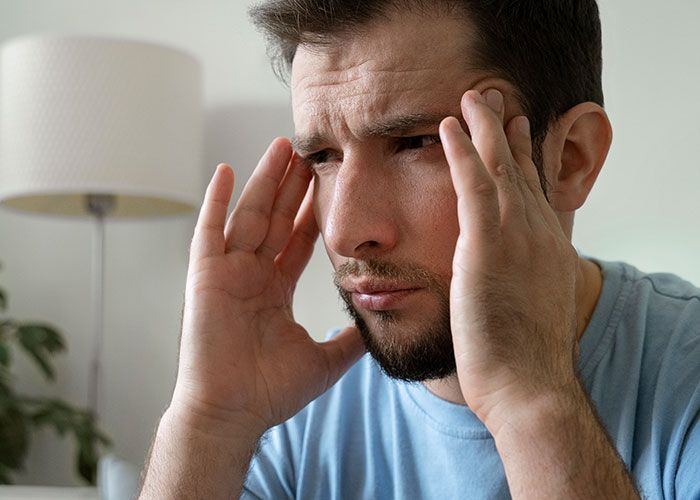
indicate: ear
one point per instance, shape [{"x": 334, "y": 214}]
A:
[{"x": 574, "y": 152}]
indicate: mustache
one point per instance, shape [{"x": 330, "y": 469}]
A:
[{"x": 385, "y": 270}]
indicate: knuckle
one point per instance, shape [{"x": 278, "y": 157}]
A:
[
  {"x": 256, "y": 214},
  {"x": 267, "y": 248},
  {"x": 484, "y": 188},
  {"x": 307, "y": 236},
  {"x": 286, "y": 212},
  {"x": 522, "y": 158},
  {"x": 505, "y": 172}
]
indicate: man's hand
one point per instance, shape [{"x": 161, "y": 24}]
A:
[
  {"x": 242, "y": 356},
  {"x": 245, "y": 364},
  {"x": 513, "y": 315},
  {"x": 512, "y": 295}
]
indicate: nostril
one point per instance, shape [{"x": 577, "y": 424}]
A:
[{"x": 368, "y": 244}]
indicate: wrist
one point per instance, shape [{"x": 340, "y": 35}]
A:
[
  {"x": 538, "y": 410},
  {"x": 208, "y": 422},
  {"x": 557, "y": 444},
  {"x": 195, "y": 455}
]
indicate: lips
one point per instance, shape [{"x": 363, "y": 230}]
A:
[{"x": 374, "y": 295}]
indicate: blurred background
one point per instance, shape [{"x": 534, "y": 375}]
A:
[{"x": 643, "y": 209}]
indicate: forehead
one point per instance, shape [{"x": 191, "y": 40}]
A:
[{"x": 404, "y": 64}]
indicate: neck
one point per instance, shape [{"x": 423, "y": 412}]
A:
[{"x": 589, "y": 282}]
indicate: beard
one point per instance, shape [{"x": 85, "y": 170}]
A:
[{"x": 413, "y": 353}]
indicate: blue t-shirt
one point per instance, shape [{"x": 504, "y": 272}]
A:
[{"x": 373, "y": 437}]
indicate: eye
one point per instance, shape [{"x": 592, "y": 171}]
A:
[
  {"x": 319, "y": 159},
  {"x": 314, "y": 158},
  {"x": 417, "y": 142}
]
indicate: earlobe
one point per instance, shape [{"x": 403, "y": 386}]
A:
[{"x": 578, "y": 144}]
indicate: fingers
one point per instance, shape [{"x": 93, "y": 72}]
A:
[
  {"x": 518, "y": 134},
  {"x": 250, "y": 221},
  {"x": 508, "y": 159},
  {"x": 477, "y": 196},
  {"x": 289, "y": 196},
  {"x": 484, "y": 116},
  {"x": 209, "y": 233},
  {"x": 293, "y": 259}
]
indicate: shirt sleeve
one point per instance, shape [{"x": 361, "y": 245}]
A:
[
  {"x": 271, "y": 474},
  {"x": 273, "y": 470},
  {"x": 688, "y": 474}
]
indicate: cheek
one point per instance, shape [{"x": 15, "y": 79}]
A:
[
  {"x": 431, "y": 221},
  {"x": 431, "y": 195},
  {"x": 323, "y": 194}
]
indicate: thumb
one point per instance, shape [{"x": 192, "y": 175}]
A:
[{"x": 342, "y": 351}]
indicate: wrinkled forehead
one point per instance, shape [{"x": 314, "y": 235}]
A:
[
  {"x": 405, "y": 58},
  {"x": 400, "y": 35}
]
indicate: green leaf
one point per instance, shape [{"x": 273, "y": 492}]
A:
[
  {"x": 87, "y": 464},
  {"x": 52, "y": 412},
  {"x": 14, "y": 438},
  {"x": 8, "y": 398},
  {"x": 5, "y": 355},
  {"x": 40, "y": 341},
  {"x": 43, "y": 335},
  {"x": 102, "y": 438},
  {"x": 67, "y": 419}
]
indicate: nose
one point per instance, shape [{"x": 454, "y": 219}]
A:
[{"x": 361, "y": 218}]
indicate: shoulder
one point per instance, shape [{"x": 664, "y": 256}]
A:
[
  {"x": 663, "y": 311},
  {"x": 641, "y": 364},
  {"x": 656, "y": 288},
  {"x": 660, "y": 308},
  {"x": 647, "y": 322}
]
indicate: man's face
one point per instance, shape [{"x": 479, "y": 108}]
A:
[{"x": 366, "y": 114}]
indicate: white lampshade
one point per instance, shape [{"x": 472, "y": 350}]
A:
[{"x": 94, "y": 116}]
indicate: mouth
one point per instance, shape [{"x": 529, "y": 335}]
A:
[{"x": 374, "y": 295}]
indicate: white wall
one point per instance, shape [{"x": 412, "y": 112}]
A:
[
  {"x": 645, "y": 205},
  {"x": 643, "y": 209}
]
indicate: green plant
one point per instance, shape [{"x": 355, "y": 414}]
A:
[{"x": 21, "y": 415}]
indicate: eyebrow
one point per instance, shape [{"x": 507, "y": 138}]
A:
[{"x": 402, "y": 125}]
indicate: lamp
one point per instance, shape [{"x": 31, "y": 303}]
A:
[{"x": 99, "y": 127}]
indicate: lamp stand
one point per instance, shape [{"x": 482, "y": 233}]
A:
[{"x": 99, "y": 206}]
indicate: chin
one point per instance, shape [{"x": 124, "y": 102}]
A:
[
  {"x": 412, "y": 342},
  {"x": 405, "y": 350}
]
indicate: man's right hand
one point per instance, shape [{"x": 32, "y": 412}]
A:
[{"x": 243, "y": 358}]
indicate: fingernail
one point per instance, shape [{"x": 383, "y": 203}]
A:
[
  {"x": 451, "y": 124},
  {"x": 494, "y": 99},
  {"x": 475, "y": 95},
  {"x": 524, "y": 125}
]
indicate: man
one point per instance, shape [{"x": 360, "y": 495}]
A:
[{"x": 443, "y": 148}]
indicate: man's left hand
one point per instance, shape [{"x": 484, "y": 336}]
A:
[{"x": 512, "y": 297}]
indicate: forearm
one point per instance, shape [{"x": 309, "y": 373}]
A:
[
  {"x": 556, "y": 448},
  {"x": 197, "y": 459}
]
